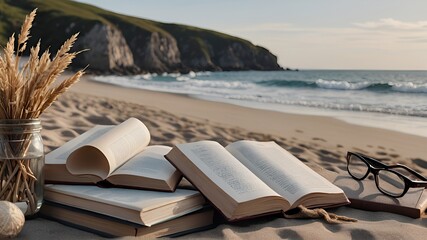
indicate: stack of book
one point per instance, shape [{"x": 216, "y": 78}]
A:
[
  {"x": 136, "y": 184},
  {"x": 109, "y": 181}
]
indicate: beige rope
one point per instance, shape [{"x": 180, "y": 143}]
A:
[{"x": 319, "y": 213}]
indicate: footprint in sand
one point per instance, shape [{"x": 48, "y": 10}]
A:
[
  {"x": 382, "y": 153},
  {"x": 80, "y": 131},
  {"x": 319, "y": 139},
  {"x": 68, "y": 134},
  {"x": 106, "y": 105},
  {"x": 361, "y": 234},
  {"x": 303, "y": 146},
  {"x": 100, "y": 120},
  {"x": 420, "y": 162},
  {"x": 188, "y": 135},
  {"x": 326, "y": 152},
  {"x": 295, "y": 150},
  {"x": 289, "y": 234},
  {"x": 150, "y": 123},
  {"x": 325, "y": 158},
  {"x": 176, "y": 125},
  {"x": 328, "y": 157},
  {"x": 169, "y": 135},
  {"x": 303, "y": 160}
]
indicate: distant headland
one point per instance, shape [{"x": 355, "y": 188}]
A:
[{"x": 122, "y": 44}]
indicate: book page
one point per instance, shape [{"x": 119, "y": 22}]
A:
[
  {"x": 226, "y": 171},
  {"x": 60, "y": 155},
  {"x": 280, "y": 170},
  {"x": 104, "y": 155},
  {"x": 149, "y": 163}
]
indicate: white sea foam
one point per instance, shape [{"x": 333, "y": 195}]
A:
[
  {"x": 165, "y": 74},
  {"x": 147, "y": 76},
  {"x": 203, "y": 73},
  {"x": 192, "y": 74},
  {"x": 341, "y": 85},
  {"x": 182, "y": 78},
  {"x": 409, "y": 87},
  {"x": 235, "y": 85}
]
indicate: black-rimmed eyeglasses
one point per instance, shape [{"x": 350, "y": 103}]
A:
[{"x": 388, "y": 178}]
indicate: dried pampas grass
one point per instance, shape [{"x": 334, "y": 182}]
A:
[{"x": 25, "y": 92}]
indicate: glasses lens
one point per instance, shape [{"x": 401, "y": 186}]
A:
[
  {"x": 390, "y": 183},
  {"x": 357, "y": 167}
]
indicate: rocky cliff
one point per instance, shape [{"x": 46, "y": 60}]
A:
[
  {"x": 109, "y": 50},
  {"x": 123, "y": 44}
]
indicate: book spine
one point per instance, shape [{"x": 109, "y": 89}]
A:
[{"x": 381, "y": 207}]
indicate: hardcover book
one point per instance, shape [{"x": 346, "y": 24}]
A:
[
  {"x": 249, "y": 178},
  {"x": 108, "y": 226},
  {"x": 113, "y": 155},
  {"x": 366, "y": 196},
  {"x": 143, "y": 207}
]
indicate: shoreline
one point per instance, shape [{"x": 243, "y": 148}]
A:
[
  {"x": 329, "y": 132},
  {"x": 399, "y": 123},
  {"x": 410, "y": 124}
]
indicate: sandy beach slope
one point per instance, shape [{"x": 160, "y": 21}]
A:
[{"x": 174, "y": 119}]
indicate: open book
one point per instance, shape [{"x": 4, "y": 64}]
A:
[
  {"x": 119, "y": 155},
  {"x": 138, "y": 206},
  {"x": 249, "y": 178}
]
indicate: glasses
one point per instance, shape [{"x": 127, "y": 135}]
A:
[{"x": 388, "y": 178}]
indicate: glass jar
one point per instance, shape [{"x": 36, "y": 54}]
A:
[{"x": 21, "y": 164}]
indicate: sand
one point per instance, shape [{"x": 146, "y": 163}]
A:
[{"x": 174, "y": 119}]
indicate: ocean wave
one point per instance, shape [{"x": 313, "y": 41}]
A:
[
  {"x": 341, "y": 85},
  {"x": 219, "y": 84},
  {"x": 405, "y": 87},
  {"x": 353, "y": 107},
  {"x": 409, "y": 87},
  {"x": 287, "y": 83}
]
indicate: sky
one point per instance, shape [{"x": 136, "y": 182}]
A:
[{"x": 306, "y": 34}]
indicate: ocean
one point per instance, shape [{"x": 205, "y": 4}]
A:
[{"x": 394, "y": 100}]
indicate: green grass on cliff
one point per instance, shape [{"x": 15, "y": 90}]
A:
[{"x": 59, "y": 14}]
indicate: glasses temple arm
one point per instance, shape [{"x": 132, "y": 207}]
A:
[
  {"x": 420, "y": 184},
  {"x": 419, "y": 176}
]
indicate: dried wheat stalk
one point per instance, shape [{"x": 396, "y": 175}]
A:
[{"x": 24, "y": 94}]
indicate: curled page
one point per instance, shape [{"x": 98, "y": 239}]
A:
[{"x": 107, "y": 152}]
